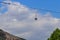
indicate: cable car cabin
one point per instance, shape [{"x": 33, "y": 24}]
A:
[{"x": 35, "y": 18}]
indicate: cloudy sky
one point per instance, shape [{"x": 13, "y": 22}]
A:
[{"x": 18, "y": 18}]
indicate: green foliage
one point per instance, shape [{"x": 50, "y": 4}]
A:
[
  {"x": 2, "y": 35},
  {"x": 1, "y": 38},
  {"x": 55, "y": 35}
]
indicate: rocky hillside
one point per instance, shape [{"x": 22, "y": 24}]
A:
[{"x": 7, "y": 36}]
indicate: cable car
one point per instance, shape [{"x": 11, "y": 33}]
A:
[{"x": 35, "y": 17}]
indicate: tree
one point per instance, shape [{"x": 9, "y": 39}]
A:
[
  {"x": 2, "y": 35},
  {"x": 55, "y": 35}
]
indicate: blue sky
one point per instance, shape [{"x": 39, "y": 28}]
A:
[{"x": 53, "y": 5}]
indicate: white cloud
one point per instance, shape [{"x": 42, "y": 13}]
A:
[{"x": 19, "y": 20}]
